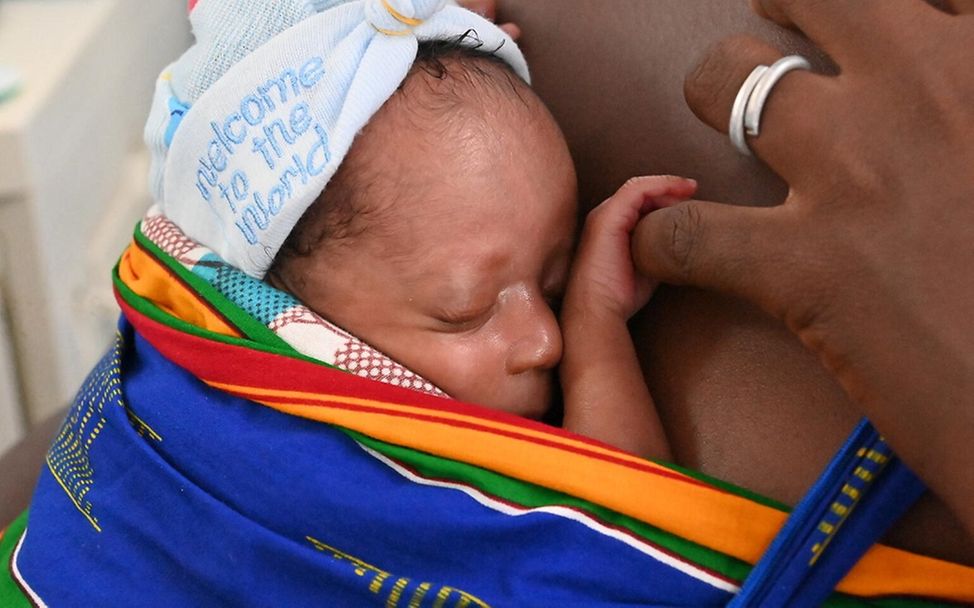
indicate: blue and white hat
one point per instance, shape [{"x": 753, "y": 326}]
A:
[{"x": 248, "y": 126}]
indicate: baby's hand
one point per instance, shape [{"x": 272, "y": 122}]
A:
[
  {"x": 603, "y": 279},
  {"x": 488, "y": 10}
]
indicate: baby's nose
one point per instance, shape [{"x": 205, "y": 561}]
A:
[{"x": 539, "y": 344}]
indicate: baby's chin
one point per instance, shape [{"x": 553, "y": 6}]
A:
[{"x": 530, "y": 399}]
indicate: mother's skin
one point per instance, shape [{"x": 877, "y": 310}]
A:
[{"x": 739, "y": 396}]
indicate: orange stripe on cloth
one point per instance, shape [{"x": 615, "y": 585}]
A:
[
  {"x": 711, "y": 517},
  {"x": 149, "y": 278},
  {"x": 284, "y": 397},
  {"x": 602, "y": 475}
]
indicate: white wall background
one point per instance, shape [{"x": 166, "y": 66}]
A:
[{"x": 72, "y": 183}]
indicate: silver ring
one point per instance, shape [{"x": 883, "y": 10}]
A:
[
  {"x": 755, "y": 103},
  {"x": 736, "y": 127},
  {"x": 749, "y": 104}
]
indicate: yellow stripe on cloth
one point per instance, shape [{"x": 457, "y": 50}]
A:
[
  {"x": 567, "y": 442},
  {"x": 724, "y": 522},
  {"x": 713, "y": 518},
  {"x": 147, "y": 277}
]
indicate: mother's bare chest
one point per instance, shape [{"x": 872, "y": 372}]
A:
[{"x": 742, "y": 400}]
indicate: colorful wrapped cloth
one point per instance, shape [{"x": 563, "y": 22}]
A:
[{"x": 218, "y": 456}]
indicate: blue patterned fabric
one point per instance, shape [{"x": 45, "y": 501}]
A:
[
  {"x": 256, "y": 297},
  {"x": 863, "y": 491},
  {"x": 169, "y": 493}
]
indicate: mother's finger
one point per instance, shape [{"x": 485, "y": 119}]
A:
[
  {"x": 792, "y": 125},
  {"x": 846, "y": 28},
  {"x": 744, "y": 251}
]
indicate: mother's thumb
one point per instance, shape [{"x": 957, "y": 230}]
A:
[{"x": 726, "y": 248}]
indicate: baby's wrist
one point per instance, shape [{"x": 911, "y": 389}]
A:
[{"x": 584, "y": 309}]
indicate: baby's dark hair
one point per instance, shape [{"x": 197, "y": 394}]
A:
[{"x": 470, "y": 70}]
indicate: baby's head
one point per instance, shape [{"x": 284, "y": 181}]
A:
[{"x": 444, "y": 238}]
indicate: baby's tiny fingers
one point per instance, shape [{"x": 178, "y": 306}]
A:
[
  {"x": 511, "y": 29},
  {"x": 653, "y": 191},
  {"x": 488, "y": 10},
  {"x": 484, "y": 8},
  {"x": 618, "y": 214}
]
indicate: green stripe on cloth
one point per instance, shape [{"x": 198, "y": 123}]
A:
[
  {"x": 10, "y": 594},
  {"x": 155, "y": 313},
  {"x": 529, "y": 496},
  {"x": 728, "y": 487},
  {"x": 251, "y": 327}
]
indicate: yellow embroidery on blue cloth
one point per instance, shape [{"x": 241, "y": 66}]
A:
[
  {"x": 141, "y": 426},
  {"x": 68, "y": 459},
  {"x": 460, "y": 599},
  {"x": 872, "y": 461}
]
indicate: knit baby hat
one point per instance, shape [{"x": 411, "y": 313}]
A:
[{"x": 248, "y": 126}]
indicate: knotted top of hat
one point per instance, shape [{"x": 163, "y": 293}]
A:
[{"x": 248, "y": 126}]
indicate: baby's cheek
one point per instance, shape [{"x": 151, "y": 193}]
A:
[
  {"x": 435, "y": 357},
  {"x": 468, "y": 369}
]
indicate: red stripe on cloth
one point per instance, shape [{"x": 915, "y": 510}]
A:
[
  {"x": 224, "y": 363},
  {"x": 232, "y": 364},
  {"x": 450, "y": 422},
  {"x": 174, "y": 276},
  {"x": 581, "y": 512},
  {"x": 191, "y": 6}
]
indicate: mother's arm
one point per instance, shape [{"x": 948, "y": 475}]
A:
[
  {"x": 739, "y": 395},
  {"x": 869, "y": 259},
  {"x": 731, "y": 384}
]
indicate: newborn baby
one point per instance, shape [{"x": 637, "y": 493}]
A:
[{"x": 445, "y": 240}]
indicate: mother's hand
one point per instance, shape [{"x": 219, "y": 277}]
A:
[{"x": 870, "y": 260}]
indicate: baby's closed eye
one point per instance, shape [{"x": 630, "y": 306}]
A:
[{"x": 462, "y": 319}]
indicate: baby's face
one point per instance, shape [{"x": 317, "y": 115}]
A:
[{"x": 457, "y": 278}]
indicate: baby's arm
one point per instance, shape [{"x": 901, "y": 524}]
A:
[{"x": 606, "y": 397}]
